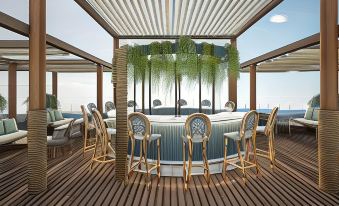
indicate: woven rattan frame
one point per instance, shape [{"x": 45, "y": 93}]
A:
[
  {"x": 88, "y": 145},
  {"x": 328, "y": 151},
  {"x": 269, "y": 132},
  {"x": 37, "y": 151},
  {"x": 244, "y": 161},
  {"x": 187, "y": 173},
  {"x": 121, "y": 116},
  {"x": 143, "y": 148}
]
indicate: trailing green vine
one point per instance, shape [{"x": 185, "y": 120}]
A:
[
  {"x": 209, "y": 65},
  {"x": 232, "y": 56},
  {"x": 168, "y": 65},
  {"x": 187, "y": 59},
  {"x": 3, "y": 103},
  {"x": 138, "y": 62}
]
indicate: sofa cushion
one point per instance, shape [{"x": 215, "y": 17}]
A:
[
  {"x": 48, "y": 117},
  {"x": 309, "y": 113},
  {"x": 10, "y": 126},
  {"x": 315, "y": 116},
  {"x": 306, "y": 122},
  {"x": 51, "y": 113},
  {"x": 58, "y": 115},
  {"x": 2, "y": 128},
  {"x": 8, "y": 138},
  {"x": 61, "y": 122}
]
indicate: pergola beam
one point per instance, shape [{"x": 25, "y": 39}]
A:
[
  {"x": 55, "y": 84},
  {"x": 100, "y": 88},
  {"x": 176, "y": 37},
  {"x": 89, "y": 9},
  {"x": 22, "y": 28},
  {"x": 12, "y": 90},
  {"x": 232, "y": 82}
]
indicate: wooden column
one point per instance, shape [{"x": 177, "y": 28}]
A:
[
  {"x": 99, "y": 88},
  {"x": 253, "y": 87},
  {"x": 37, "y": 121},
  {"x": 232, "y": 82},
  {"x": 55, "y": 84},
  {"x": 328, "y": 131},
  {"x": 12, "y": 90},
  {"x": 115, "y": 46}
]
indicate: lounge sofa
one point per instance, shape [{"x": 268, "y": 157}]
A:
[
  {"x": 55, "y": 119},
  {"x": 310, "y": 120},
  {"x": 9, "y": 131}
]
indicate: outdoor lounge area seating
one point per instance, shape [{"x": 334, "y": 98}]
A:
[
  {"x": 9, "y": 132},
  {"x": 310, "y": 120}
]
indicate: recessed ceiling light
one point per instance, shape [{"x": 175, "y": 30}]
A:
[{"x": 278, "y": 18}]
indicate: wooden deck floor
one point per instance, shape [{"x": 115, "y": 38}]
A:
[{"x": 71, "y": 182}]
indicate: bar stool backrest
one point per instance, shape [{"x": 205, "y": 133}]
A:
[
  {"x": 91, "y": 106},
  {"x": 230, "y": 106},
  {"x": 100, "y": 124},
  {"x": 156, "y": 103},
  {"x": 139, "y": 125},
  {"x": 182, "y": 102},
  {"x": 198, "y": 126},
  {"x": 271, "y": 121},
  {"x": 206, "y": 103},
  {"x": 109, "y": 106},
  {"x": 84, "y": 116},
  {"x": 249, "y": 124}
]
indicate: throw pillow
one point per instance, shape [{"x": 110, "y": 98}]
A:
[
  {"x": 2, "y": 128},
  {"x": 51, "y": 113},
  {"x": 10, "y": 126},
  {"x": 48, "y": 117},
  {"x": 309, "y": 113},
  {"x": 58, "y": 115},
  {"x": 315, "y": 115}
]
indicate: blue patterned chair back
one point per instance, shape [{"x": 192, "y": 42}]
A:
[
  {"x": 230, "y": 106},
  {"x": 131, "y": 103},
  {"x": 156, "y": 103},
  {"x": 249, "y": 124},
  {"x": 138, "y": 124},
  {"x": 206, "y": 103},
  {"x": 182, "y": 102},
  {"x": 91, "y": 106},
  {"x": 198, "y": 126},
  {"x": 109, "y": 106}
]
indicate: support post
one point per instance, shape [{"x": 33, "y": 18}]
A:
[
  {"x": 115, "y": 46},
  {"x": 253, "y": 87},
  {"x": 200, "y": 107},
  {"x": 150, "y": 90},
  {"x": 99, "y": 88},
  {"x": 328, "y": 131},
  {"x": 55, "y": 84},
  {"x": 12, "y": 90},
  {"x": 121, "y": 116},
  {"x": 232, "y": 82},
  {"x": 37, "y": 121}
]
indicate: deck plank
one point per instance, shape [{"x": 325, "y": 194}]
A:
[{"x": 70, "y": 181}]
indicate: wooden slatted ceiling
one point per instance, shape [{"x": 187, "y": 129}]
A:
[
  {"x": 307, "y": 59},
  {"x": 208, "y": 18}
]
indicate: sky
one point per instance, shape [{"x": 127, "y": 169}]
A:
[{"x": 292, "y": 20}]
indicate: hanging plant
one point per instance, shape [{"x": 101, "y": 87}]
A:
[
  {"x": 3, "y": 103},
  {"x": 187, "y": 59},
  {"x": 137, "y": 58},
  {"x": 209, "y": 65},
  {"x": 168, "y": 65},
  {"x": 233, "y": 60},
  {"x": 156, "y": 63}
]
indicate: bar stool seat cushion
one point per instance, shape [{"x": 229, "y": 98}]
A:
[
  {"x": 56, "y": 142},
  {"x": 153, "y": 137},
  {"x": 111, "y": 131},
  {"x": 261, "y": 129},
  {"x": 195, "y": 139},
  {"x": 236, "y": 135}
]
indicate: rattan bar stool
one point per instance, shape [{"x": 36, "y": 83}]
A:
[
  {"x": 246, "y": 135},
  {"x": 88, "y": 129},
  {"x": 268, "y": 131},
  {"x": 198, "y": 130},
  {"x": 139, "y": 129},
  {"x": 103, "y": 151}
]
